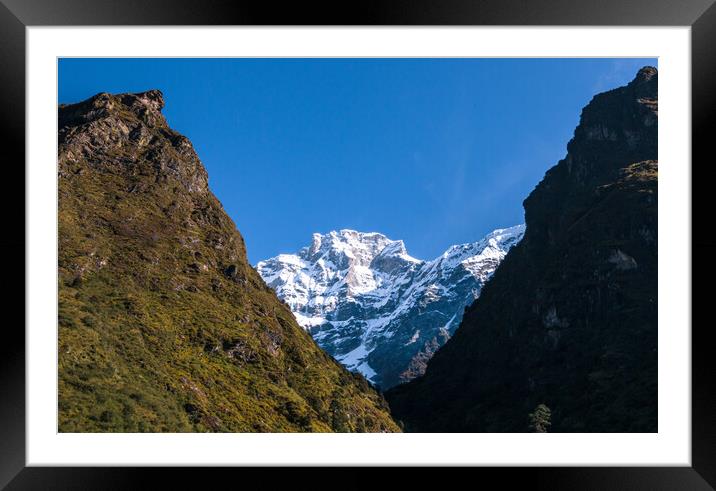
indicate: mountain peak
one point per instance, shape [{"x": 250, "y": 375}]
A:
[
  {"x": 346, "y": 247},
  {"x": 145, "y": 107},
  {"x": 495, "y": 241},
  {"x": 645, "y": 74},
  {"x": 364, "y": 237},
  {"x": 127, "y": 135},
  {"x": 373, "y": 307}
]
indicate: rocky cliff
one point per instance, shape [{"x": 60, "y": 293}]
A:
[
  {"x": 163, "y": 324},
  {"x": 564, "y": 335},
  {"x": 374, "y": 307}
]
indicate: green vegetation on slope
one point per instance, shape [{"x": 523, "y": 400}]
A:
[{"x": 163, "y": 324}]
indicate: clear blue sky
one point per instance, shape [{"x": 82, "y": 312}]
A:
[{"x": 432, "y": 151}]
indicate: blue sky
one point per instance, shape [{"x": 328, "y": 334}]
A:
[{"x": 432, "y": 151}]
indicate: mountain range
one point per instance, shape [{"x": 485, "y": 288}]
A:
[
  {"x": 375, "y": 308},
  {"x": 164, "y": 326}
]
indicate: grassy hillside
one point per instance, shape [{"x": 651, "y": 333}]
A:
[{"x": 163, "y": 324}]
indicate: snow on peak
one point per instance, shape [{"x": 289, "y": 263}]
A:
[
  {"x": 365, "y": 299},
  {"x": 345, "y": 247},
  {"x": 488, "y": 251},
  {"x": 395, "y": 248}
]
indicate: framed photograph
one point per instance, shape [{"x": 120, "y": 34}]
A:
[{"x": 417, "y": 235}]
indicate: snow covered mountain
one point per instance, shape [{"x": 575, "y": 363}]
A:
[{"x": 375, "y": 308}]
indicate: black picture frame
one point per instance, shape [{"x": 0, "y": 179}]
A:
[{"x": 16, "y": 15}]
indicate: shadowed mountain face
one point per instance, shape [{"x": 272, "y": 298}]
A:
[
  {"x": 163, "y": 324},
  {"x": 569, "y": 319}
]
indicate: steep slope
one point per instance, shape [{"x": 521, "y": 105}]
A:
[
  {"x": 375, "y": 308},
  {"x": 569, "y": 319},
  {"x": 163, "y": 324}
]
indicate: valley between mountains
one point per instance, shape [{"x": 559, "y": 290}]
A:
[{"x": 164, "y": 326}]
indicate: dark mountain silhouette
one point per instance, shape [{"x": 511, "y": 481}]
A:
[{"x": 564, "y": 336}]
